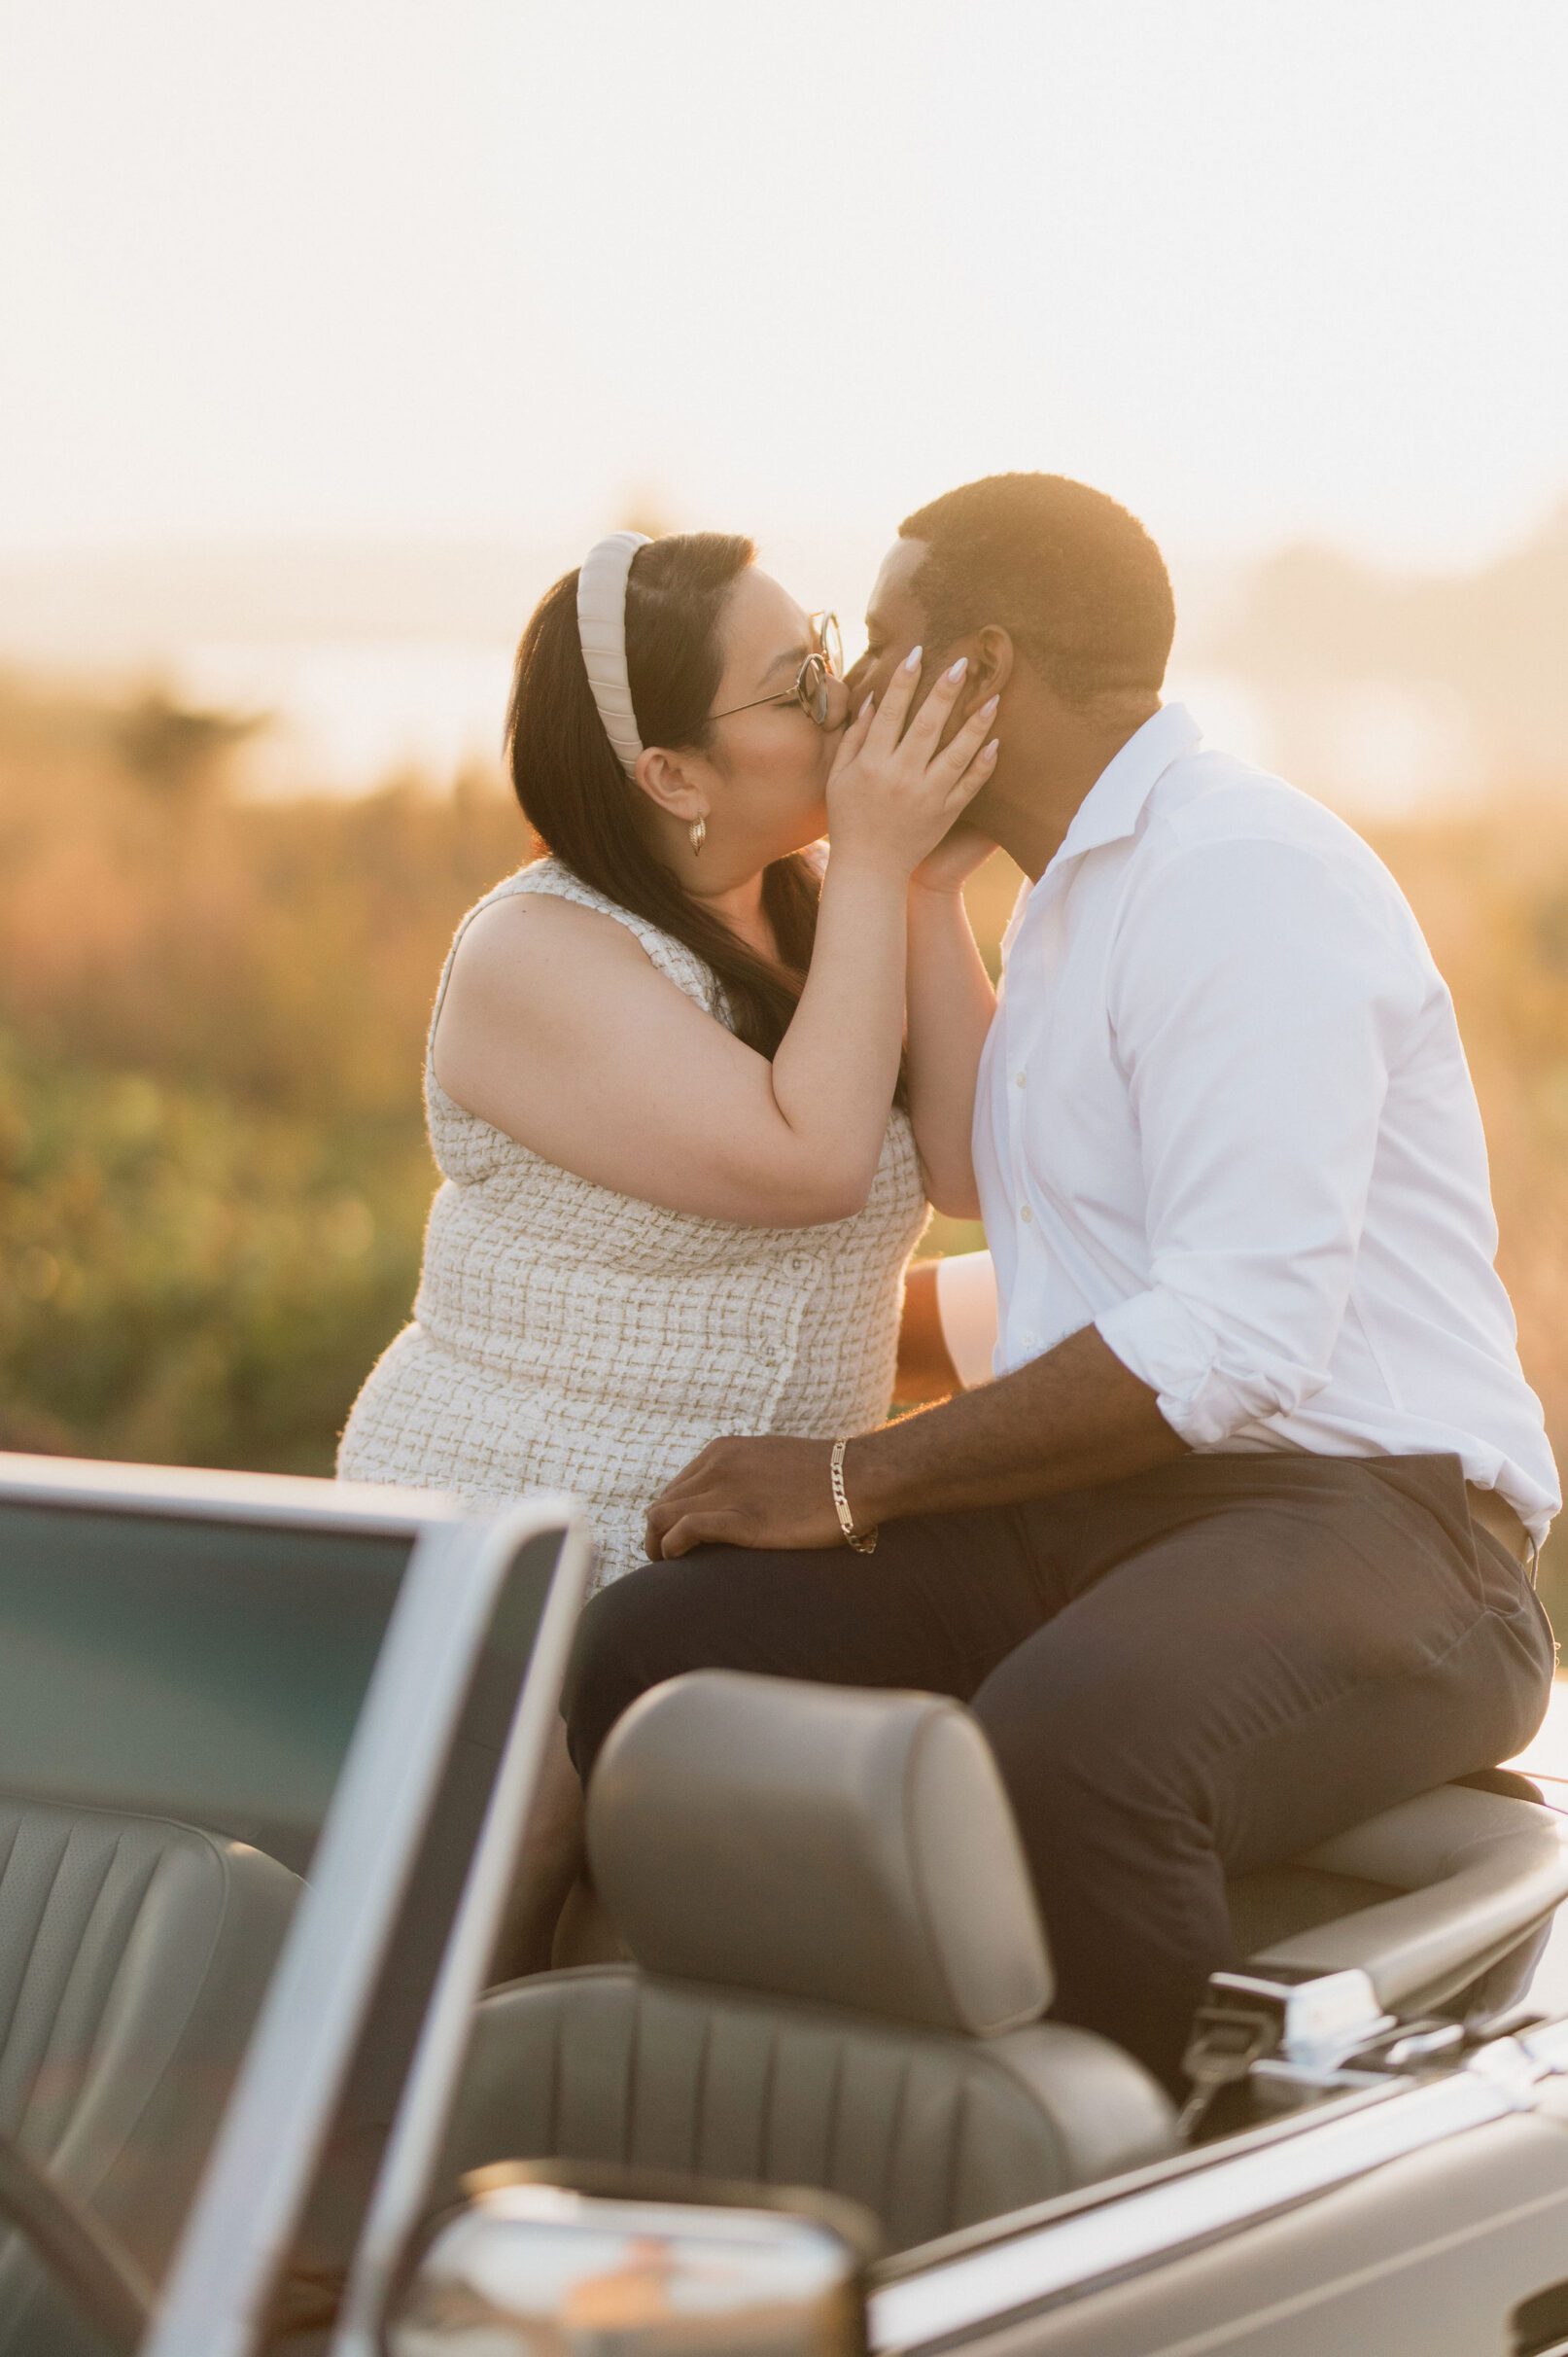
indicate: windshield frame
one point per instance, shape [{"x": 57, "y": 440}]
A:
[{"x": 246, "y": 2208}]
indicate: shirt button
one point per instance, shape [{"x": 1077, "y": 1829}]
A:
[
  {"x": 1026, "y": 1216},
  {"x": 1018, "y": 1079}
]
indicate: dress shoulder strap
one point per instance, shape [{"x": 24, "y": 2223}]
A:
[{"x": 673, "y": 959}]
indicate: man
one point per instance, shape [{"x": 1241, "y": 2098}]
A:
[{"x": 1237, "y": 1547}]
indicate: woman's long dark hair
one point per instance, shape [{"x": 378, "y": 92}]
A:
[{"x": 582, "y": 807}]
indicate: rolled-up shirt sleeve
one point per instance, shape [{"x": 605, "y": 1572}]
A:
[{"x": 1256, "y": 997}]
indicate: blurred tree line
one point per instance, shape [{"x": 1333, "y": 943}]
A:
[
  {"x": 213, "y": 1172},
  {"x": 213, "y": 1176}
]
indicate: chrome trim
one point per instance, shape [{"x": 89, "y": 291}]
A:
[
  {"x": 1317, "y": 2023},
  {"x": 425, "y": 2101},
  {"x": 1546, "y": 2043},
  {"x": 282, "y": 2105},
  {"x": 1198, "y": 2205},
  {"x": 284, "y": 1498}
]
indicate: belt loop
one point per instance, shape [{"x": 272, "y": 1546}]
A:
[{"x": 1532, "y": 1561}]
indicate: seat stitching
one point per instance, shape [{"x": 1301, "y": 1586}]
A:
[
  {"x": 835, "y": 2106},
  {"x": 172, "y": 2044},
  {"x": 552, "y": 2138},
  {"x": 16, "y": 1836},
  {"x": 217, "y": 1854},
  {"x": 32, "y": 1944},
  {"x": 699, "y": 2100},
  {"x": 765, "y": 2104},
  {"x": 68, "y": 1978},
  {"x": 633, "y": 2066},
  {"x": 963, "y": 2139},
  {"x": 138, "y": 1902},
  {"x": 884, "y": 2204},
  {"x": 118, "y": 1974},
  {"x": 949, "y": 2186}
]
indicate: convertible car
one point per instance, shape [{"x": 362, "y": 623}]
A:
[{"x": 266, "y": 1753}]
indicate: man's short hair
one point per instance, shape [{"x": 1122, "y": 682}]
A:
[{"x": 1073, "y": 578}]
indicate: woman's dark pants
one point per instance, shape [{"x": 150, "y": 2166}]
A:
[{"x": 1203, "y": 1669}]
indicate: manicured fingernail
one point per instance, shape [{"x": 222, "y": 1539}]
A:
[
  {"x": 912, "y": 660},
  {"x": 988, "y": 752},
  {"x": 989, "y": 706},
  {"x": 959, "y": 668}
]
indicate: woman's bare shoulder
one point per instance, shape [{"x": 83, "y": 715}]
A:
[
  {"x": 527, "y": 941},
  {"x": 557, "y": 1028}
]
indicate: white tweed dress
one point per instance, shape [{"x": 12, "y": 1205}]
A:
[{"x": 565, "y": 1337}]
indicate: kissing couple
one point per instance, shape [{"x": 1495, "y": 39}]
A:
[{"x": 1235, "y": 1547}]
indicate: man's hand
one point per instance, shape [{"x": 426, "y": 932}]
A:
[
  {"x": 1069, "y": 1421},
  {"x": 770, "y": 1492},
  {"x": 948, "y": 868}
]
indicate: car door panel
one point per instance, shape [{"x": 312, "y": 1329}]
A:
[{"x": 1432, "y": 2253}]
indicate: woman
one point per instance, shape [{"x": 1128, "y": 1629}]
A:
[{"x": 677, "y": 1195}]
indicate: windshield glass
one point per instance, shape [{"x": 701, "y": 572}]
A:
[{"x": 203, "y": 1669}]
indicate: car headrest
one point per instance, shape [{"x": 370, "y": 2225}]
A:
[{"x": 824, "y": 1843}]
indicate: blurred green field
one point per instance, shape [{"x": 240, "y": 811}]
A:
[{"x": 213, "y": 1173}]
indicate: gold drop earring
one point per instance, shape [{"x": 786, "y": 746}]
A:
[{"x": 698, "y": 831}]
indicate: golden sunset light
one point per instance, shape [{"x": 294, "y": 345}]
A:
[{"x": 783, "y": 1177}]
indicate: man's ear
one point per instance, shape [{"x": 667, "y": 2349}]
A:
[
  {"x": 669, "y": 785},
  {"x": 991, "y": 665}
]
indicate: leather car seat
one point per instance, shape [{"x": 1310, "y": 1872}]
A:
[
  {"x": 1444, "y": 1901},
  {"x": 837, "y": 1974},
  {"x": 134, "y": 1954}
]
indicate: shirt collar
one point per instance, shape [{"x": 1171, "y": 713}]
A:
[{"x": 1113, "y": 806}]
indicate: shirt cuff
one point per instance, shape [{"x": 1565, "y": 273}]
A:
[
  {"x": 966, "y": 1309},
  {"x": 1162, "y": 1341}
]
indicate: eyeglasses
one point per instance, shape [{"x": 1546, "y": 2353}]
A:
[{"x": 815, "y": 681}]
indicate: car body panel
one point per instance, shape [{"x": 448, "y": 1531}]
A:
[
  {"x": 1225, "y": 2247},
  {"x": 1432, "y": 2253}
]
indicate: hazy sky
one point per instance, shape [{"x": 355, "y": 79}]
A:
[{"x": 485, "y": 269}]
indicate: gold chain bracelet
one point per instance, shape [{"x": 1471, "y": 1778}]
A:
[{"x": 864, "y": 1542}]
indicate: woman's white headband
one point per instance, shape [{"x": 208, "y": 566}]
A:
[{"x": 602, "y": 629}]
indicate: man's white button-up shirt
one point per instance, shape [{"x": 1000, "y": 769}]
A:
[{"x": 1225, "y": 1117}]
